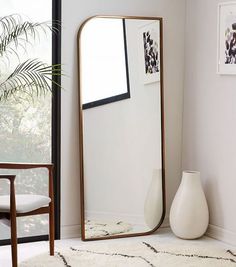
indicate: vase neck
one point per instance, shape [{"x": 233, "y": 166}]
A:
[{"x": 191, "y": 178}]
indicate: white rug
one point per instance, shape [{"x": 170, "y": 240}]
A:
[
  {"x": 140, "y": 254},
  {"x": 99, "y": 228}
]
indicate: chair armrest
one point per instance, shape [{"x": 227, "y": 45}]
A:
[
  {"x": 22, "y": 166},
  {"x": 9, "y": 177}
]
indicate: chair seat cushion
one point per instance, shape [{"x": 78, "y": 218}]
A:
[{"x": 24, "y": 203}]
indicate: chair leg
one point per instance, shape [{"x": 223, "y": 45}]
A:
[
  {"x": 51, "y": 230},
  {"x": 13, "y": 240}
]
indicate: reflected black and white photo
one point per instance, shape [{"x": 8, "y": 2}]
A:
[{"x": 150, "y": 53}]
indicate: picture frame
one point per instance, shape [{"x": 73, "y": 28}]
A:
[
  {"x": 226, "y": 38},
  {"x": 150, "y": 38}
]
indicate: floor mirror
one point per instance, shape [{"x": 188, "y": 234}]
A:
[{"x": 122, "y": 170}]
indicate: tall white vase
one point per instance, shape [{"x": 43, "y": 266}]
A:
[
  {"x": 153, "y": 207},
  {"x": 189, "y": 215}
]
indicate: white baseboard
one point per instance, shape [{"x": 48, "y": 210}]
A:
[
  {"x": 70, "y": 231},
  {"x": 221, "y": 234}
]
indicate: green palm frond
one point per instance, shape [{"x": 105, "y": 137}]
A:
[
  {"x": 30, "y": 77},
  {"x": 13, "y": 29}
]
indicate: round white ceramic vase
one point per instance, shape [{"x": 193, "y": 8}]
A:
[
  {"x": 189, "y": 215},
  {"x": 153, "y": 207}
]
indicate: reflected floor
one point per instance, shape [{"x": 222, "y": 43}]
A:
[
  {"x": 100, "y": 228},
  {"x": 95, "y": 228},
  {"x": 139, "y": 228}
]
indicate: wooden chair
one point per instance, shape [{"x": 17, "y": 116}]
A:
[{"x": 13, "y": 206}]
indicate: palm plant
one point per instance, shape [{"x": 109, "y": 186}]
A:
[{"x": 32, "y": 76}]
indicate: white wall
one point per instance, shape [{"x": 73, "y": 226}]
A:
[
  {"x": 209, "y": 138},
  {"x": 73, "y": 13}
]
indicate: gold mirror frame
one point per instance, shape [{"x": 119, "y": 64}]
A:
[{"x": 82, "y": 205}]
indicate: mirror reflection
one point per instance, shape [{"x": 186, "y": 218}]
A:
[
  {"x": 120, "y": 94},
  {"x": 105, "y": 62}
]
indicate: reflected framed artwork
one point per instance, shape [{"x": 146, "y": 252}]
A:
[
  {"x": 226, "y": 51},
  {"x": 150, "y": 38}
]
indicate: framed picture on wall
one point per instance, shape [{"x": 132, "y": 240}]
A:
[
  {"x": 226, "y": 52},
  {"x": 150, "y": 36}
]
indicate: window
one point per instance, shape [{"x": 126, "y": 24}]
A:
[{"x": 30, "y": 132}]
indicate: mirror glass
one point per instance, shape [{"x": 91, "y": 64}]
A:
[{"x": 122, "y": 177}]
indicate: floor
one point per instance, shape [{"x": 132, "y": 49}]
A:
[{"x": 164, "y": 235}]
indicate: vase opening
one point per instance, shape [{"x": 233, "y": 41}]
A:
[{"x": 191, "y": 172}]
